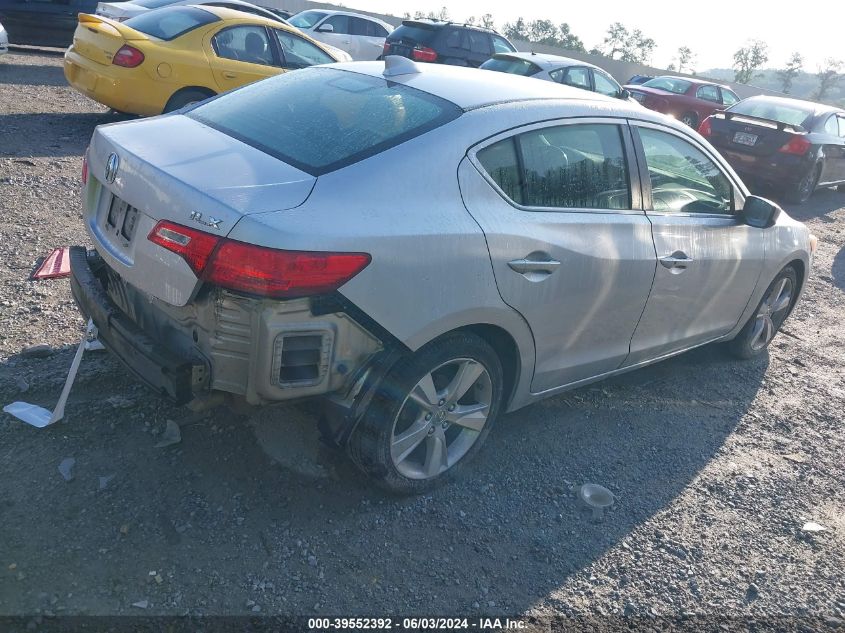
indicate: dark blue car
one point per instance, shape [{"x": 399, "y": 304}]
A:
[{"x": 43, "y": 22}]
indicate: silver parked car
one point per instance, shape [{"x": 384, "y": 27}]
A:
[
  {"x": 427, "y": 247},
  {"x": 4, "y": 41},
  {"x": 362, "y": 36}
]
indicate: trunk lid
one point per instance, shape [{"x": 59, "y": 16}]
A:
[
  {"x": 98, "y": 38},
  {"x": 207, "y": 184},
  {"x": 750, "y": 135}
]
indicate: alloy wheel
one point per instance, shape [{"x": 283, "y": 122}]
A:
[
  {"x": 770, "y": 314},
  {"x": 441, "y": 418}
]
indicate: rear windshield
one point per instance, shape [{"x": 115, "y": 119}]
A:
[
  {"x": 153, "y": 4},
  {"x": 307, "y": 19},
  {"x": 322, "y": 119},
  {"x": 669, "y": 84},
  {"x": 789, "y": 114},
  {"x": 414, "y": 32},
  {"x": 511, "y": 65},
  {"x": 170, "y": 23}
]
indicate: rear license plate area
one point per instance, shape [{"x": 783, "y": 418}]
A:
[
  {"x": 743, "y": 138},
  {"x": 121, "y": 219}
]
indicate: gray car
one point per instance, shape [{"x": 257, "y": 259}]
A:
[{"x": 426, "y": 247}]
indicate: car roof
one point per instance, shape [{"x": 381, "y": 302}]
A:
[
  {"x": 817, "y": 108},
  {"x": 471, "y": 88},
  {"x": 389, "y": 26},
  {"x": 546, "y": 61},
  {"x": 434, "y": 22}
]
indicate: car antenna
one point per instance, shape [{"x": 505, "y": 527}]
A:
[{"x": 397, "y": 65}]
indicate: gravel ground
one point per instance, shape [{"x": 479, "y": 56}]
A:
[{"x": 716, "y": 464}]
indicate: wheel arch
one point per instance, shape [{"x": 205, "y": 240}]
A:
[
  {"x": 508, "y": 352},
  {"x": 209, "y": 92}
]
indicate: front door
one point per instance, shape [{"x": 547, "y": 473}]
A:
[
  {"x": 709, "y": 261},
  {"x": 240, "y": 55},
  {"x": 570, "y": 245}
]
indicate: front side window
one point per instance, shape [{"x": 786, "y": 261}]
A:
[
  {"x": 322, "y": 119},
  {"x": 669, "y": 84},
  {"x": 708, "y": 93},
  {"x": 842, "y": 125},
  {"x": 307, "y": 19},
  {"x": 604, "y": 85},
  {"x": 728, "y": 97},
  {"x": 563, "y": 167},
  {"x": 339, "y": 23},
  {"x": 831, "y": 126},
  {"x": 298, "y": 52},
  {"x": 244, "y": 44},
  {"x": 501, "y": 45},
  {"x": 683, "y": 178}
]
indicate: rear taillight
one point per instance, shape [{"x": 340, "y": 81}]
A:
[
  {"x": 256, "y": 269},
  {"x": 798, "y": 145},
  {"x": 128, "y": 57},
  {"x": 706, "y": 127},
  {"x": 424, "y": 54},
  {"x": 195, "y": 247},
  {"x": 386, "y": 48},
  {"x": 85, "y": 168}
]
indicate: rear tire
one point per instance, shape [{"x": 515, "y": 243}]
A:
[
  {"x": 186, "y": 96},
  {"x": 771, "y": 312},
  {"x": 806, "y": 187},
  {"x": 690, "y": 119},
  {"x": 430, "y": 415}
]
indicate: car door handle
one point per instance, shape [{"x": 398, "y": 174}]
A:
[
  {"x": 523, "y": 266},
  {"x": 229, "y": 75},
  {"x": 676, "y": 262}
]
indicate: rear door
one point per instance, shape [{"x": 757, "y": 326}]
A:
[
  {"x": 570, "y": 245},
  {"x": 370, "y": 38},
  {"x": 709, "y": 261},
  {"x": 240, "y": 55}
]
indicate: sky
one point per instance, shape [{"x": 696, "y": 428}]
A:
[{"x": 713, "y": 30}]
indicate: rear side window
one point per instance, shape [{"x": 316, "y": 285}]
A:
[
  {"x": 169, "y": 23},
  {"x": 154, "y": 4},
  {"x": 831, "y": 126},
  {"x": 322, "y": 119},
  {"x": 669, "y": 84},
  {"x": 511, "y": 65},
  {"x": 708, "y": 93},
  {"x": 340, "y": 24},
  {"x": 682, "y": 177},
  {"x": 563, "y": 167},
  {"x": 367, "y": 28},
  {"x": 307, "y": 19}
]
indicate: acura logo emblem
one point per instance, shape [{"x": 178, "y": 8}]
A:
[{"x": 111, "y": 167}]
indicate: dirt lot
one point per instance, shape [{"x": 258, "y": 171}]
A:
[{"x": 716, "y": 464}]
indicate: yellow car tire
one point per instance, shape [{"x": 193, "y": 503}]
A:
[{"x": 186, "y": 96}]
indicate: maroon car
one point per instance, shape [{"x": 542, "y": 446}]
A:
[{"x": 688, "y": 101}]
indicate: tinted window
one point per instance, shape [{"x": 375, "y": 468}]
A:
[
  {"x": 501, "y": 45},
  {"x": 831, "y": 126},
  {"x": 170, "y": 23},
  {"x": 478, "y": 42},
  {"x": 605, "y": 85},
  {"x": 298, "y": 52},
  {"x": 244, "y": 44},
  {"x": 683, "y": 178},
  {"x": 454, "y": 38},
  {"x": 154, "y": 4},
  {"x": 368, "y": 28},
  {"x": 414, "y": 32},
  {"x": 511, "y": 65},
  {"x": 578, "y": 77},
  {"x": 321, "y": 119},
  {"x": 775, "y": 111},
  {"x": 566, "y": 167},
  {"x": 842, "y": 126},
  {"x": 340, "y": 24},
  {"x": 669, "y": 84},
  {"x": 708, "y": 93},
  {"x": 728, "y": 97},
  {"x": 307, "y": 19}
]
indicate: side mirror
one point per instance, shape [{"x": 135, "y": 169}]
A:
[
  {"x": 325, "y": 28},
  {"x": 759, "y": 212},
  {"x": 624, "y": 94}
]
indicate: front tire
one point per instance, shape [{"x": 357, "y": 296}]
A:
[
  {"x": 431, "y": 415},
  {"x": 774, "y": 307}
]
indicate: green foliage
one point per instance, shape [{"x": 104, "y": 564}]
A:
[
  {"x": 748, "y": 59},
  {"x": 629, "y": 46},
  {"x": 543, "y": 32}
]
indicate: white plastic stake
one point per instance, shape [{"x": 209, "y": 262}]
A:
[{"x": 41, "y": 417}]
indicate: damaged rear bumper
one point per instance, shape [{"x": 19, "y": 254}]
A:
[{"x": 169, "y": 373}]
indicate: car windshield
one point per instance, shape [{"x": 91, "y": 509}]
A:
[
  {"x": 669, "y": 84},
  {"x": 307, "y": 19},
  {"x": 511, "y": 65},
  {"x": 153, "y": 4},
  {"x": 765, "y": 109},
  {"x": 322, "y": 119},
  {"x": 170, "y": 23}
]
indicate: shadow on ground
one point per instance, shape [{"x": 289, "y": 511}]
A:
[
  {"x": 222, "y": 523},
  {"x": 32, "y": 75},
  {"x": 24, "y": 134}
]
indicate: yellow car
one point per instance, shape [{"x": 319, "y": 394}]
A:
[{"x": 165, "y": 59}]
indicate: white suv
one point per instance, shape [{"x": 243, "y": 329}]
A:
[{"x": 359, "y": 35}]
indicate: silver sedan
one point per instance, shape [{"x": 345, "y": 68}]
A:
[{"x": 425, "y": 247}]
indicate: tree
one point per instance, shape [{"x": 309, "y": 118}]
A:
[
  {"x": 619, "y": 43},
  {"x": 748, "y": 59},
  {"x": 542, "y": 32},
  {"x": 828, "y": 77},
  {"x": 517, "y": 30},
  {"x": 639, "y": 48},
  {"x": 470, "y": 20},
  {"x": 788, "y": 74},
  {"x": 487, "y": 21},
  {"x": 568, "y": 40},
  {"x": 686, "y": 58},
  {"x": 614, "y": 41}
]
